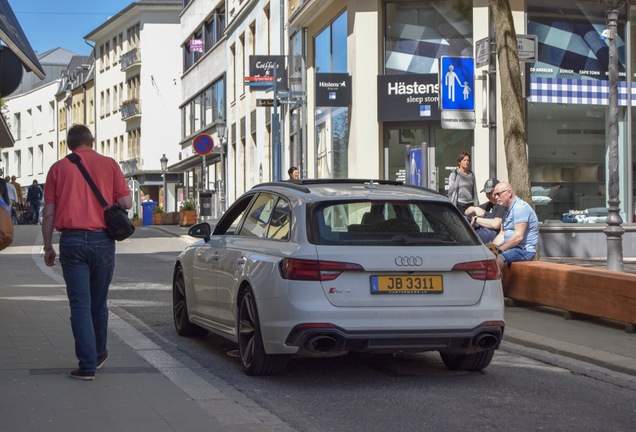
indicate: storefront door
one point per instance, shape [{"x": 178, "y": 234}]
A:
[{"x": 437, "y": 148}]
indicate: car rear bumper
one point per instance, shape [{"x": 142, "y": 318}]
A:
[{"x": 325, "y": 339}]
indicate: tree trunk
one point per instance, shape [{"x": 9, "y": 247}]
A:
[{"x": 511, "y": 99}]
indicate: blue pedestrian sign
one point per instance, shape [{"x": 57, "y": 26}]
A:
[{"x": 457, "y": 83}]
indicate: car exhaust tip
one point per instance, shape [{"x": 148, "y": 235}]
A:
[
  {"x": 321, "y": 344},
  {"x": 486, "y": 341}
]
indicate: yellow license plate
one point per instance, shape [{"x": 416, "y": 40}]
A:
[{"x": 407, "y": 284}]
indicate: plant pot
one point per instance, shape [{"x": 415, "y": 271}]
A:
[
  {"x": 169, "y": 218},
  {"x": 156, "y": 218},
  {"x": 187, "y": 217},
  {"x": 137, "y": 222}
]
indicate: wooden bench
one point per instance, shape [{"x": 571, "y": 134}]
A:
[{"x": 579, "y": 291}]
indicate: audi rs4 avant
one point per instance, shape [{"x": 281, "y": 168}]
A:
[{"x": 327, "y": 267}]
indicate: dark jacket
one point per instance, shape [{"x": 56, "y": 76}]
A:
[{"x": 34, "y": 195}]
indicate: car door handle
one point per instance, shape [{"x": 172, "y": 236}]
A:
[{"x": 241, "y": 261}]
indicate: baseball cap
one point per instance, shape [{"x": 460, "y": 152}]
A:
[{"x": 490, "y": 184}]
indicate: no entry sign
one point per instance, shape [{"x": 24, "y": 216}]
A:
[{"x": 202, "y": 144}]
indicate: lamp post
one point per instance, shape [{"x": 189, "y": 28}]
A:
[
  {"x": 614, "y": 230},
  {"x": 164, "y": 167},
  {"x": 221, "y": 129}
]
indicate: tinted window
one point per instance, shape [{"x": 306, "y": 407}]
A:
[
  {"x": 395, "y": 223},
  {"x": 257, "y": 217},
  {"x": 280, "y": 222}
]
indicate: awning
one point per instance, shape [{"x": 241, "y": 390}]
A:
[{"x": 13, "y": 36}]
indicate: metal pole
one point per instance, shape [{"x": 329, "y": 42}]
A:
[
  {"x": 223, "y": 174},
  {"x": 165, "y": 192},
  {"x": 276, "y": 156},
  {"x": 492, "y": 99},
  {"x": 614, "y": 230}
]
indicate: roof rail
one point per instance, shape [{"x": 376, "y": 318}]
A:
[
  {"x": 299, "y": 184},
  {"x": 347, "y": 181}
]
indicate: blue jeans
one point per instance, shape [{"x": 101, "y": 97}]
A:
[
  {"x": 517, "y": 254},
  {"x": 88, "y": 262}
]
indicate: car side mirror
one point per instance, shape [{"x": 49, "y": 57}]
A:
[{"x": 201, "y": 230}]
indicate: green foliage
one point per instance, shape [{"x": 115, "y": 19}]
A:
[
  {"x": 135, "y": 216},
  {"x": 158, "y": 209},
  {"x": 186, "y": 205}
]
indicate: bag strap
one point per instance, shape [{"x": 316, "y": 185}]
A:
[{"x": 78, "y": 161}]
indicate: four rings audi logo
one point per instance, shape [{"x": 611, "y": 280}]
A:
[{"x": 404, "y": 261}]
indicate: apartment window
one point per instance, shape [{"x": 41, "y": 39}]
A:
[
  {"x": 214, "y": 29},
  {"x": 107, "y": 54},
  {"x": 7, "y": 166},
  {"x": 29, "y": 123},
  {"x": 187, "y": 118},
  {"x": 30, "y": 160},
  {"x": 233, "y": 69},
  {"x": 18, "y": 163},
  {"x": 266, "y": 30},
  {"x": 115, "y": 51},
  {"x": 101, "y": 104},
  {"x": 134, "y": 140},
  {"x": 101, "y": 57},
  {"x": 107, "y": 107},
  {"x": 196, "y": 113},
  {"x": 241, "y": 62},
  {"x": 40, "y": 160},
  {"x": 17, "y": 126},
  {"x": 38, "y": 119},
  {"x": 205, "y": 109},
  {"x": 115, "y": 98}
]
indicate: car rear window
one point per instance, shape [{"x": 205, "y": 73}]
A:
[{"x": 390, "y": 223}]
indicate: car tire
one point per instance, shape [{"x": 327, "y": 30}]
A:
[
  {"x": 468, "y": 362},
  {"x": 180, "y": 308},
  {"x": 251, "y": 350}
]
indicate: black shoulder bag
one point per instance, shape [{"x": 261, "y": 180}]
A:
[{"x": 118, "y": 224}]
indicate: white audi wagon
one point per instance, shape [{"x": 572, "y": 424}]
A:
[{"x": 331, "y": 266}]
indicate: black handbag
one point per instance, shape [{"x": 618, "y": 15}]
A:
[{"x": 118, "y": 224}]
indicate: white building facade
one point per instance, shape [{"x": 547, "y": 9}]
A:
[
  {"x": 203, "y": 50},
  {"x": 33, "y": 120},
  {"x": 138, "y": 91}
]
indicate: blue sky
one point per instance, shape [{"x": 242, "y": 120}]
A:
[{"x": 50, "y": 24}]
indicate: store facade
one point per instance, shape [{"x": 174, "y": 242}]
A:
[{"x": 394, "y": 105}]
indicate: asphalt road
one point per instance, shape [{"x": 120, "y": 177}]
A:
[{"x": 376, "y": 392}]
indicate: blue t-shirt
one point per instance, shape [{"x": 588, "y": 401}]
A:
[
  {"x": 521, "y": 212},
  {"x": 4, "y": 205}
]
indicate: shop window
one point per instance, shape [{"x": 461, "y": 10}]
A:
[
  {"x": 568, "y": 112},
  {"x": 418, "y": 33},
  {"x": 332, "y": 124}
]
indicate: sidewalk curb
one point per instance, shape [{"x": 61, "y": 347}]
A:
[{"x": 611, "y": 361}]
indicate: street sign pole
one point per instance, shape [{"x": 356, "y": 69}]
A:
[{"x": 276, "y": 144}]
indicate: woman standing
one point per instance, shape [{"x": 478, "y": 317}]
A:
[{"x": 462, "y": 188}]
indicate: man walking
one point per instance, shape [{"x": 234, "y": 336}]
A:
[
  {"x": 18, "y": 189},
  {"x": 519, "y": 234},
  {"x": 87, "y": 253},
  {"x": 34, "y": 198}
]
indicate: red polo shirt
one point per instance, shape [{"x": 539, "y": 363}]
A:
[{"x": 76, "y": 206}]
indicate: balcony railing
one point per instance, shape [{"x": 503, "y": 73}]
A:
[
  {"x": 130, "y": 108},
  {"x": 130, "y": 59},
  {"x": 130, "y": 167}
]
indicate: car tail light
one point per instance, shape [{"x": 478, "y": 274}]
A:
[
  {"x": 314, "y": 270},
  {"x": 480, "y": 270}
]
